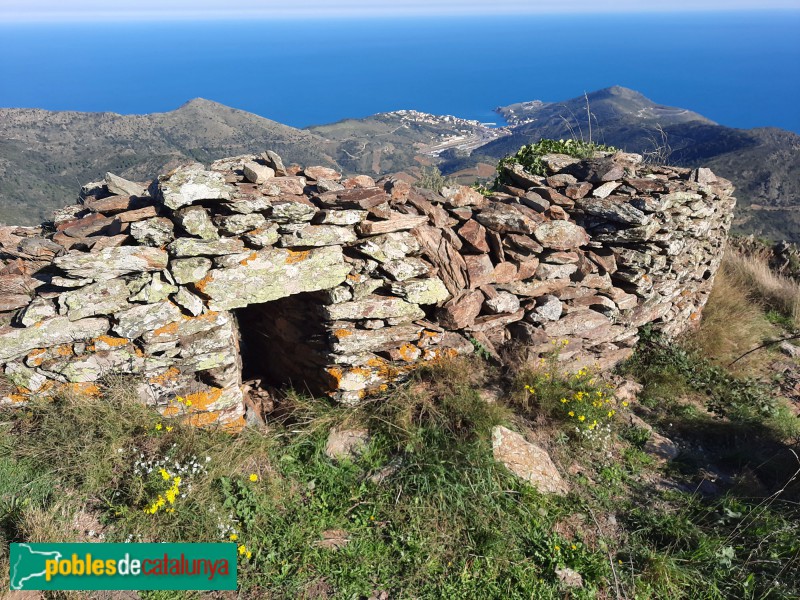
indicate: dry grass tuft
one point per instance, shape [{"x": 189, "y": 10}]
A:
[
  {"x": 761, "y": 284},
  {"x": 735, "y": 319},
  {"x": 733, "y": 322}
]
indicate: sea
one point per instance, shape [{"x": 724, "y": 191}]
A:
[{"x": 740, "y": 69}]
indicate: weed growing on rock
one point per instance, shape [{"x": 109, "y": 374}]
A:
[{"x": 530, "y": 155}]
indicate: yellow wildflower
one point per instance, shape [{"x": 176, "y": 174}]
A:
[
  {"x": 253, "y": 477},
  {"x": 170, "y": 428},
  {"x": 158, "y": 426},
  {"x": 564, "y": 401},
  {"x": 164, "y": 475},
  {"x": 582, "y": 418},
  {"x": 249, "y": 555},
  {"x": 558, "y": 548},
  {"x": 242, "y": 549},
  {"x": 234, "y": 537},
  {"x": 624, "y": 404},
  {"x": 571, "y": 413}
]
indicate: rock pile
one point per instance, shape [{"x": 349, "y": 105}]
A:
[{"x": 343, "y": 284}]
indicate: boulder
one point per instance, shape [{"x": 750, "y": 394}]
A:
[{"x": 527, "y": 461}]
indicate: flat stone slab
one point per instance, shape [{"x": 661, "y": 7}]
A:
[
  {"x": 14, "y": 342},
  {"x": 271, "y": 274},
  {"x": 112, "y": 262}
]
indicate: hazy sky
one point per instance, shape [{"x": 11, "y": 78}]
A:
[{"x": 78, "y": 10}]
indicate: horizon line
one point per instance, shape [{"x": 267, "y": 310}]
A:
[{"x": 289, "y": 14}]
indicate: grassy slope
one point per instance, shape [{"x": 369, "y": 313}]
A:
[{"x": 425, "y": 512}]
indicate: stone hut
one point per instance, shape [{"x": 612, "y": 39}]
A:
[{"x": 212, "y": 279}]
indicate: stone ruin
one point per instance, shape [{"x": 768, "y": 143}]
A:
[{"x": 211, "y": 283}]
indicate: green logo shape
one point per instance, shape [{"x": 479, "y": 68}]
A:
[{"x": 122, "y": 566}]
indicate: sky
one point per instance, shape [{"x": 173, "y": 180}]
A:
[{"x": 89, "y": 10}]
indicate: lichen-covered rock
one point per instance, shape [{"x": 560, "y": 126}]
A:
[
  {"x": 102, "y": 298},
  {"x": 356, "y": 341},
  {"x": 561, "y": 235},
  {"x": 422, "y": 291},
  {"x": 318, "y": 235},
  {"x": 14, "y": 342},
  {"x": 135, "y": 321},
  {"x": 195, "y": 221},
  {"x": 156, "y": 232},
  {"x": 239, "y": 223},
  {"x": 38, "y": 310},
  {"x": 189, "y": 270},
  {"x": 183, "y": 247},
  {"x": 292, "y": 212},
  {"x": 391, "y": 246},
  {"x": 189, "y": 301},
  {"x": 401, "y": 269},
  {"x": 273, "y": 274},
  {"x": 190, "y": 184},
  {"x": 154, "y": 290},
  {"x": 112, "y": 262},
  {"x": 373, "y": 307}
]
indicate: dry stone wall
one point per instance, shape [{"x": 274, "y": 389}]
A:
[{"x": 341, "y": 285}]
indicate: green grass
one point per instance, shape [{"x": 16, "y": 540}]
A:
[{"x": 425, "y": 510}]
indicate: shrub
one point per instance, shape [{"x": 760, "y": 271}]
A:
[
  {"x": 579, "y": 399},
  {"x": 431, "y": 178},
  {"x": 530, "y": 155}
]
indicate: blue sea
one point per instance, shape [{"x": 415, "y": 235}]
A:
[{"x": 739, "y": 69}]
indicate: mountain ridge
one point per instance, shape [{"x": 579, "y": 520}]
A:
[{"x": 46, "y": 155}]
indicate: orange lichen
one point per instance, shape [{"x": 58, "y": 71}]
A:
[
  {"x": 296, "y": 256},
  {"x": 335, "y": 374},
  {"x": 63, "y": 350},
  {"x": 361, "y": 371},
  {"x": 408, "y": 352},
  {"x": 18, "y": 398},
  {"x": 200, "y": 286},
  {"x": 111, "y": 341},
  {"x": 200, "y": 401},
  {"x": 202, "y": 419},
  {"x": 35, "y": 357},
  {"x": 377, "y": 362},
  {"x": 342, "y": 333},
  {"x": 252, "y": 257},
  {"x": 168, "y": 329},
  {"x": 83, "y": 389},
  {"x": 235, "y": 426},
  {"x": 170, "y": 374}
]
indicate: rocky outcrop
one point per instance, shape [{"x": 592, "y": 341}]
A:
[{"x": 341, "y": 285}]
